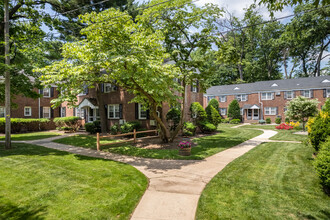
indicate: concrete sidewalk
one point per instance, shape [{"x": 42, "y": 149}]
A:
[{"x": 174, "y": 185}]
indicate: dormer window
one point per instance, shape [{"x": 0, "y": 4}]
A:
[
  {"x": 236, "y": 88},
  {"x": 326, "y": 81},
  {"x": 274, "y": 85}
]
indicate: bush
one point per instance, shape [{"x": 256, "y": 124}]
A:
[
  {"x": 214, "y": 103},
  {"x": 284, "y": 126},
  {"x": 262, "y": 121},
  {"x": 226, "y": 120},
  {"x": 326, "y": 106},
  {"x": 173, "y": 118},
  {"x": 114, "y": 129},
  {"x": 234, "y": 111},
  {"x": 287, "y": 120},
  {"x": 320, "y": 129},
  {"x": 73, "y": 123},
  {"x": 213, "y": 115},
  {"x": 322, "y": 164},
  {"x": 268, "y": 120},
  {"x": 208, "y": 127},
  {"x": 24, "y": 124},
  {"x": 189, "y": 129},
  {"x": 197, "y": 112},
  {"x": 90, "y": 128},
  {"x": 130, "y": 126},
  {"x": 278, "y": 121},
  {"x": 235, "y": 121}
]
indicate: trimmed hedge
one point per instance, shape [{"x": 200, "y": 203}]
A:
[
  {"x": 278, "y": 121},
  {"x": 189, "y": 129},
  {"x": 322, "y": 165},
  {"x": 235, "y": 121},
  {"x": 213, "y": 115},
  {"x": 268, "y": 120},
  {"x": 320, "y": 129},
  {"x": 208, "y": 127},
  {"x": 71, "y": 123},
  {"x": 24, "y": 124}
]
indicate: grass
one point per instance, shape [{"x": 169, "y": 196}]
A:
[
  {"x": 206, "y": 146},
  {"x": 272, "y": 181},
  {"x": 41, "y": 183},
  {"x": 31, "y": 136}
]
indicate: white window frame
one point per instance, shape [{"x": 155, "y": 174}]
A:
[
  {"x": 270, "y": 110},
  {"x": 223, "y": 111},
  {"x": 222, "y": 98},
  {"x": 43, "y": 112},
  {"x": 63, "y": 111},
  {"x": 209, "y": 98},
  {"x": 30, "y": 111},
  {"x": 291, "y": 94},
  {"x": 328, "y": 93},
  {"x": 267, "y": 96},
  {"x": 108, "y": 87},
  {"x": 2, "y": 112},
  {"x": 43, "y": 92},
  {"x": 309, "y": 93},
  {"x": 114, "y": 109},
  {"x": 142, "y": 111},
  {"x": 241, "y": 97},
  {"x": 194, "y": 87}
]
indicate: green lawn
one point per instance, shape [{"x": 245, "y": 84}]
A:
[
  {"x": 41, "y": 183},
  {"x": 272, "y": 181},
  {"x": 206, "y": 147},
  {"x": 31, "y": 136}
]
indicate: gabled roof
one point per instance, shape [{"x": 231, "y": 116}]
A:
[
  {"x": 88, "y": 102},
  {"x": 272, "y": 85}
]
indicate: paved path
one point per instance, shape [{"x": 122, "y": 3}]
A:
[{"x": 174, "y": 185}]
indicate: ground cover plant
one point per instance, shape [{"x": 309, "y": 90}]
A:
[
  {"x": 205, "y": 146},
  {"x": 272, "y": 181},
  {"x": 31, "y": 136},
  {"x": 41, "y": 183}
]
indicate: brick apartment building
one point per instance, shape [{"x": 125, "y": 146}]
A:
[{"x": 267, "y": 99}]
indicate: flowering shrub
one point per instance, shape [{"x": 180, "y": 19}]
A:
[
  {"x": 309, "y": 124},
  {"x": 284, "y": 126},
  {"x": 184, "y": 144},
  {"x": 295, "y": 125}
]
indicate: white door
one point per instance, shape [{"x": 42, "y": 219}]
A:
[{"x": 255, "y": 114}]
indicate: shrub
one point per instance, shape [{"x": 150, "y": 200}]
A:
[
  {"x": 278, "y": 120},
  {"x": 73, "y": 123},
  {"x": 214, "y": 103},
  {"x": 173, "y": 118},
  {"x": 322, "y": 164},
  {"x": 295, "y": 125},
  {"x": 189, "y": 129},
  {"x": 326, "y": 106},
  {"x": 234, "y": 111},
  {"x": 284, "y": 126},
  {"x": 262, "y": 121},
  {"x": 207, "y": 127},
  {"x": 213, "y": 115},
  {"x": 114, "y": 129},
  {"x": 24, "y": 124},
  {"x": 135, "y": 124},
  {"x": 197, "y": 112},
  {"x": 287, "y": 120},
  {"x": 90, "y": 128},
  {"x": 130, "y": 126},
  {"x": 268, "y": 120},
  {"x": 320, "y": 129},
  {"x": 226, "y": 120},
  {"x": 235, "y": 121}
]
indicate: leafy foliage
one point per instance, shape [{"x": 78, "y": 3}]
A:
[
  {"x": 326, "y": 106},
  {"x": 319, "y": 129},
  {"x": 189, "y": 129},
  {"x": 213, "y": 115},
  {"x": 72, "y": 122},
  {"x": 278, "y": 120},
  {"x": 268, "y": 121},
  {"x": 173, "y": 118},
  {"x": 234, "y": 111},
  {"x": 24, "y": 124},
  {"x": 322, "y": 164},
  {"x": 207, "y": 127},
  {"x": 235, "y": 121}
]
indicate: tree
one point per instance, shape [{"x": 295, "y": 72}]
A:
[
  {"x": 127, "y": 52},
  {"x": 234, "y": 111},
  {"x": 214, "y": 103},
  {"x": 300, "y": 108},
  {"x": 213, "y": 115}
]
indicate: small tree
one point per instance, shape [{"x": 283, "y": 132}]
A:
[
  {"x": 213, "y": 115},
  {"x": 214, "y": 103},
  {"x": 234, "y": 111},
  {"x": 301, "y": 108}
]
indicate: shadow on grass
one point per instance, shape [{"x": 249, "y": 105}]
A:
[
  {"x": 9, "y": 210},
  {"x": 29, "y": 149}
]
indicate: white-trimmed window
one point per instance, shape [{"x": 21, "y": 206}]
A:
[
  {"x": 223, "y": 111},
  {"x": 80, "y": 113},
  {"x": 209, "y": 98},
  {"x": 108, "y": 87},
  {"x": 113, "y": 111},
  {"x": 241, "y": 97},
  {"x": 328, "y": 93},
  {"x": 84, "y": 91},
  {"x": 2, "y": 112},
  {"x": 194, "y": 87},
  {"x": 27, "y": 111},
  {"x": 63, "y": 111},
  {"x": 289, "y": 94},
  {"x": 267, "y": 96},
  {"x": 306, "y": 93},
  {"x": 223, "y": 98},
  {"x": 142, "y": 112},
  {"x": 46, "y": 112},
  {"x": 270, "y": 110},
  {"x": 46, "y": 92}
]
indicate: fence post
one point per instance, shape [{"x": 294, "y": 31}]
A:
[
  {"x": 98, "y": 141},
  {"x": 134, "y": 136}
]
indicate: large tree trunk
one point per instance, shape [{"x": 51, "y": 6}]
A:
[{"x": 103, "y": 115}]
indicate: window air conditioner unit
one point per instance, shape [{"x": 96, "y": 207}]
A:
[
  {"x": 152, "y": 123},
  {"x": 122, "y": 121},
  {"x": 278, "y": 93}
]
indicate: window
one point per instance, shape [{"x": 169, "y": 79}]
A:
[
  {"x": 113, "y": 111},
  {"x": 108, "y": 87},
  {"x": 46, "y": 92},
  {"x": 242, "y": 111},
  {"x": 223, "y": 111},
  {"x": 270, "y": 110},
  {"x": 222, "y": 98},
  {"x": 80, "y": 113},
  {"x": 84, "y": 91},
  {"x": 328, "y": 93},
  {"x": 2, "y": 112},
  {"x": 194, "y": 87},
  {"x": 63, "y": 111},
  {"x": 289, "y": 95},
  {"x": 306, "y": 93},
  {"x": 46, "y": 112},
  {"x": 267, "y": 96},
  {"x": 142, "y": 112},
  {"x": 241, "y": 97},
  {"x": 27, "y": 111},
  {"x": 209, "y": 98}
]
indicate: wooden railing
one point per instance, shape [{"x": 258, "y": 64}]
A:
[{"x": 134, "y": 139}]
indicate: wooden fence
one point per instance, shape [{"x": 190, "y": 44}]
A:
[{"x": 134, "y": 139}]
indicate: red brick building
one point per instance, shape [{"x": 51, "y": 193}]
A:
[{"x": 267, "y": 99}]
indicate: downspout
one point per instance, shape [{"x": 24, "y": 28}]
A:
[
  {"x": 261, "y": 108},
  {"x": 39, "y": 110}
]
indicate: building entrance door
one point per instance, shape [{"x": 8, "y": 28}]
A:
[{"x": 255, "y": 114}]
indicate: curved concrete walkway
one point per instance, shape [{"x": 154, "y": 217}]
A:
[{"x": 174, "y": 185}]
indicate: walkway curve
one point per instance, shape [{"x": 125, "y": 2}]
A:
[{"x": 174, "y": 185}]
